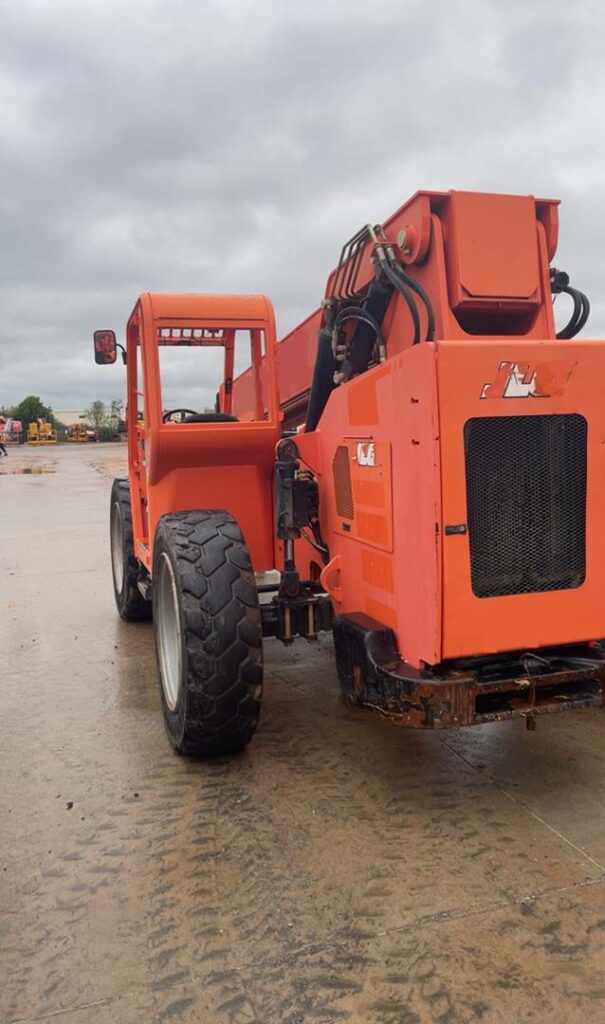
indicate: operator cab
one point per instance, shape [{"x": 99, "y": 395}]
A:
[
  {"x": 189, "y": 416},
  {"x": 193, "y": 360},
  {"x": 180, "y": 366},
  {"x": 188, "y": 447}
]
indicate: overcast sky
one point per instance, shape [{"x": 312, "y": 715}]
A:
[{"x": 234, "y": 145}]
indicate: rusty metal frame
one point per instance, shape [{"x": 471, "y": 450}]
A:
[{"x": 522, "y": 684}]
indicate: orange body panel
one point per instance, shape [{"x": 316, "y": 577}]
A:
[
  {"x": 574, "y": 371},
  {"x": 421, "y": 586},
  {"x": 398, "y": 522}
]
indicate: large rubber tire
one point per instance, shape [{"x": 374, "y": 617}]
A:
[
  {"x": 208, "y": 633},
  {"x": 126, "y": 570}
]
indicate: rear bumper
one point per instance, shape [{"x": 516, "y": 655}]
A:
[{"x": 521, "y": 684}]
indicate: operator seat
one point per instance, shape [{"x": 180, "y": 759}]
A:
[{"x": 211, "y": 417}]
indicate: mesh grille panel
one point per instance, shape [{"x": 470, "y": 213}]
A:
[
  {"x": 342, "y": 483},
  {"x": 526, "y": 501}
]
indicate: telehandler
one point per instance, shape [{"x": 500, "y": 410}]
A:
[{"x": 419, "y": 466}]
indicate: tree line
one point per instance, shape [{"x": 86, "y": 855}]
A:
[{"x": 107, "y": 419}]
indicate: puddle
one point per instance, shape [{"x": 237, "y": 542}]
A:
[{"x": 27, "y": 471}]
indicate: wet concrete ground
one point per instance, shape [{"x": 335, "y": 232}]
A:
[{"x": 339, "y": 870}]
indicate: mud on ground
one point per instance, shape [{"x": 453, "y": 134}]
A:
[{"x": 339, "y": 870}]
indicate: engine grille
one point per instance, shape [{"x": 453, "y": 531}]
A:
[
  {"x": 342, "y": 483},
  {"x": 526, "y": 503}
]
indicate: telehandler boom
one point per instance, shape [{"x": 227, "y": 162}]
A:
[{"x": 422, "y": 460}]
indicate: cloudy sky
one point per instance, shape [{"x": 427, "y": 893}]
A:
[{"x": 233, "y": 145}]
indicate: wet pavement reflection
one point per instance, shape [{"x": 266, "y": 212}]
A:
[{"x": 338, "y": 870}]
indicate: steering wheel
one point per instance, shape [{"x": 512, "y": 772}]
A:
[{"x": 172, "y": 412}]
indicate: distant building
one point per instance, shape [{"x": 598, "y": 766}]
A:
[{"x": 69, "y": 416}]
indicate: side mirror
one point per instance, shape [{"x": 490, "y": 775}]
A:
[{"x": 106, "y": 349}]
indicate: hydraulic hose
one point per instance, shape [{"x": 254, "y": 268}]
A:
[
  {"x": 405, "y": 284},
  {"x": 407, "y": 295},
  {"x": 559, "y": 282},
  {"x": 581, "y": 312},
  {"x": 417, "y": 287},
  {"x": 585, "y": 314},
  {"x": 362, "y": 316}
]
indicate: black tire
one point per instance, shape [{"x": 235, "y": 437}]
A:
[
  {"x": 204, "y": 590},
  {"x": 131, "y": 604}
]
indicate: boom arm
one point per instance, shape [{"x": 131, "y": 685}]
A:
[{"x": 446, "y": 265}]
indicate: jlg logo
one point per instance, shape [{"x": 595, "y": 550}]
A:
[
  {"x": 522, "y": 380},
  {"x": 366, "y": 453}
]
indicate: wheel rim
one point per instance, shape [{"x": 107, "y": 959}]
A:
[
  {"x": 117, "y": 547},
  {"x": 169, "y": 632}
]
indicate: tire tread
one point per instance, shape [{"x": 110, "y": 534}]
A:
[
  {"x": 131, "y": 604},
  {"x": 222, "y": 634}
]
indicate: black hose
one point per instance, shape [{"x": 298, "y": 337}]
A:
[
  {"x": 368, "y": 312},
  {"x": 559, "y": 282},
  {"x": 407, "y": 295},
  {"x": 362, "y": 316},
  {"x": 581, "y": 312},
  {"x": 319, "y": 546},
  {"x": 569, "y": 329},
  {"x": 586, "y": 312},
  {"x": 416, "y": 287}
]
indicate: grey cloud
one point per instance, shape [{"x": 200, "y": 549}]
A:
[{"x": 234, "y": 147}]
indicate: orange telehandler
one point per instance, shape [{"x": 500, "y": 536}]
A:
[{"x": 422, "y": 460}]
